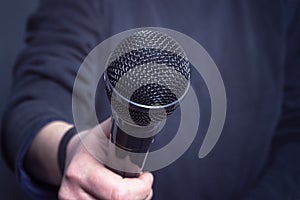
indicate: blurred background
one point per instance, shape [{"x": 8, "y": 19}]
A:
[{"x": 13, "y": 17}]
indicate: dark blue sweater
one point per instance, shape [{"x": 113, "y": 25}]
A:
[{"x": 256, "y": 46}]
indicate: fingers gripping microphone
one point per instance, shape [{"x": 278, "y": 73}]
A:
[{"x": 147, "y": 75}]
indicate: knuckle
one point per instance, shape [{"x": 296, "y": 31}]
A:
[
  {"x": 62, "y": 194},
  {"x": 67, "y": 191},
  {"x": 71, "y": 173},
  {"x": 150, "y": 195},
  {"x": 120, "y": 194},
  {"x": 149, "y": 188},
  {"x": 146, "y": 188}
]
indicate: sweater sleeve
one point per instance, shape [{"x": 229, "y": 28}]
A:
[
  {"x": 281, "y": 178},
  {"x": 59, "y": 35}
]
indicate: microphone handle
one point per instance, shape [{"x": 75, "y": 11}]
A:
[{"x": 128, "y": 143}]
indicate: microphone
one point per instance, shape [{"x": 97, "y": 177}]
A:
[{"x": 147, "y": 76}]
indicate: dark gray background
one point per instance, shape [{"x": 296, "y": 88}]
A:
[{"x": 13, "y": 16}]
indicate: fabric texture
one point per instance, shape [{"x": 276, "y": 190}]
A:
[{"x": 256, "y": 46}]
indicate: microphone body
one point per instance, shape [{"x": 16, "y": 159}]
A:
[{"x": 147, "y": 76}]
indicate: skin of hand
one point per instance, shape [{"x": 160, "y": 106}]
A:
[{"x": 84, "y": 177}]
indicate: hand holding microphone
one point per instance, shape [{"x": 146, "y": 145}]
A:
[
  {"x": 146, "y": 77},
  {"x": 87, "y": 178}
]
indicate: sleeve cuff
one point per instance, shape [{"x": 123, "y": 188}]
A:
[{"x": 32, "y": 188}]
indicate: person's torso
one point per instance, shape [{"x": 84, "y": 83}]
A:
[{"x": 246, "y": 41}]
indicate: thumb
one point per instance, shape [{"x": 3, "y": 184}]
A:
[{"x": 104, "y": 127}]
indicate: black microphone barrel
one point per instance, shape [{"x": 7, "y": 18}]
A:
[{"x": 146, "y": 77}]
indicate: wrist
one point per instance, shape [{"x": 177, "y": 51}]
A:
[
  {"x": 71, "y": 149},
  {"x": 62, "y": 148},
  {"x": 41, "y": 158}
]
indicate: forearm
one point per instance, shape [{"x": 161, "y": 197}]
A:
[{"x": 41, "y": 158}]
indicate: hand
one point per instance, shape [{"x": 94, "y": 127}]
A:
[{"x": 86, "y": 178}]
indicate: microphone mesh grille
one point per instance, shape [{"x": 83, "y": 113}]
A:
[{"x": 149, "y": 68}]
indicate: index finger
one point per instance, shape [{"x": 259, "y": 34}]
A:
[{"x": 104, "y": 183}]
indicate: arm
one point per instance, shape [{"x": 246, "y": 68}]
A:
[
  {"x": 60, "y": 35},
  {"x": 41, "y": 158},
  {"x": 84, "y": 177}
]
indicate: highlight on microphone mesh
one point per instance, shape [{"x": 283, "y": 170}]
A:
[{"x": 147, "y": 75}]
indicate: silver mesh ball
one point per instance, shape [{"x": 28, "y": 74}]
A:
[{"x": 150, "y": 70}]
